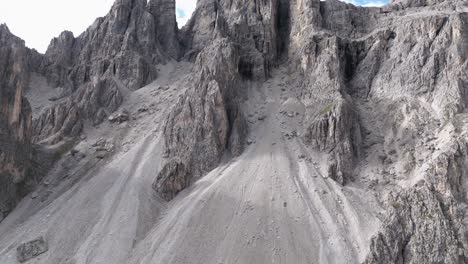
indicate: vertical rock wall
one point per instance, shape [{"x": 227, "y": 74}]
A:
[{"x": 15, "y": 121}]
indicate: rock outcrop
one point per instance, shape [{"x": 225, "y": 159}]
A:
[
  {"x": 15, "y": 121},
  {"x": 31, "y": 249},
  {"x": 416, "y": 230},
  {"x": 421, "y": 59},
  {"x": 166, "y": 32},
  {"x": 249, "y": 24},
  {"x": 93, "y": 102},
  {"x": 205, "y": 122},
  {"x": 118, "y": 52}
]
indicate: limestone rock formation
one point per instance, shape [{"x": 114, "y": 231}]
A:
[
  {"x": 206, "y": 121},
  {"x": 249, "y": 24},
  {"x": 117, "y": 53},
  {"x": 416, "y": 230},
  {"x": 290, "y": 131},
  {"x": 94, "y": 101},
  {"x": 15, "y": 121},
  {"x": 166, "y": 28}
]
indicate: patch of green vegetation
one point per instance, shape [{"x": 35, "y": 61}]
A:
[
  {"x": 430, "y": 216},
  {"x": 327, "y": 109},
  {"x": 396, "y": 205},
  {"x": 64, "y": 149},
  {"x": 446, "y": 122}
]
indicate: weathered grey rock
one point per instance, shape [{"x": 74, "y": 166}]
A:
[
  {"x": 163, "y": 12},
  {"x": 61, "y": 49},
  {"x": 377, "y": 57},
  {"x": 337, "y": 131},
  {"x": 31, "y": 249},
  {"x": 416, "y": 230},
  {"x": 419, "y": 3},
  {"x": 372, "y": 80},
  {"x": 331, "y": 122},
  {"x": 206, "y": 121},
  {"x": 93, "y": 102},
  {"x": 15, "y": 121},
  {"x": 119, "y": 117},
  {"x": 172, "y": 179},
  {"x": 119, "y": 51},
  {"x": 249, "y": 24}
]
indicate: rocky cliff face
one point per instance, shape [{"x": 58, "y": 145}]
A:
[
  {"x": 205, "y": 122},
  {"x": 380, "y": 57},
  {"x": 117, "y": 53},
  {"x": 15, "y": 121},
  {"x": 249, "y": 24},
  {"x": 372, "y": 101}
]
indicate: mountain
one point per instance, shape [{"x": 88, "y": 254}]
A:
[
  {"x": 269, "y": 131},
  {"x": 15, "y": 120}
]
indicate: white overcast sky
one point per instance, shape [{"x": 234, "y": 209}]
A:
[{"x": 38, "y": 21}]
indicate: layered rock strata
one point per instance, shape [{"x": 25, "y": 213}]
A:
[{"x": 15, "y": 122}]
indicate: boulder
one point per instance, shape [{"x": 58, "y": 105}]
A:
[{"x": 31, "y": 249}]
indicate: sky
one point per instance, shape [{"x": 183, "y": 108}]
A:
[
  {"x": 367, "y": 3},
  {"x": 38, "y": 21}
]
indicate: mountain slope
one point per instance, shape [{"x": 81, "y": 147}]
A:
[{"x": 262, "y": 132}]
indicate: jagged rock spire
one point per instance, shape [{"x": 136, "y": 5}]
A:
[{"x": 163, "y": 12}]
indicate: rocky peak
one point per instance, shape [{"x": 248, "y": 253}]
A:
[
  {"x": 61, "y": 49},
  {"x": 251, "y": 24},
  {"x": 421, "y": 3},
  {"x": 120, "y": 49},
  {"x": 123, "y": 13},
  {"x": 7, "y": 38},
  {"x": 163, "y": 12}
]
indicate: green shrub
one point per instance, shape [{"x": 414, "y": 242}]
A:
[{"x": 327, "y": 109}]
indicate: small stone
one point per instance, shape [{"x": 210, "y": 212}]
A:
[
  {"x": 109, "y": 147},
  {"x": 142, "y": 109},
  {"x": 100, "y": 142},
  {"x": 100, "y": 155},
  {"x": 119, "y": 118},
  {"x": 73, "y": 152}
]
